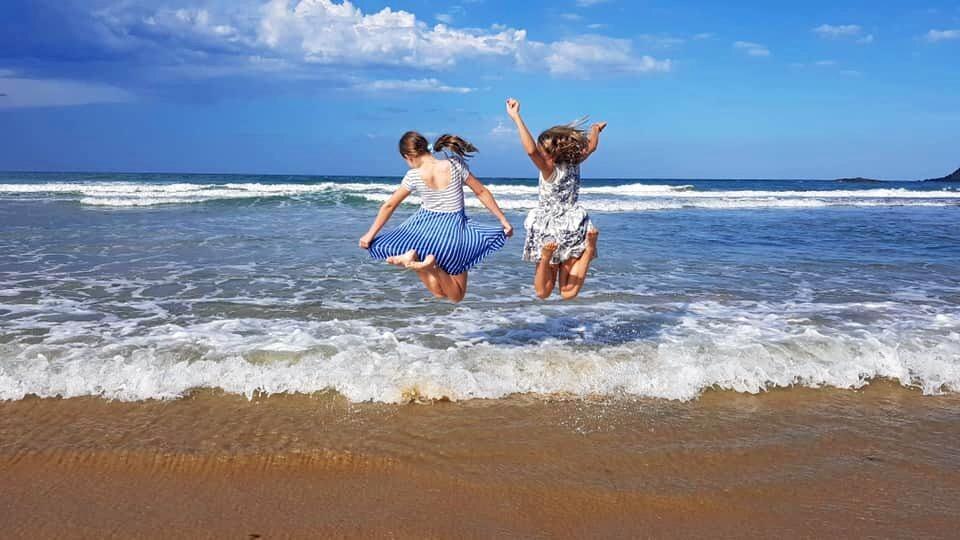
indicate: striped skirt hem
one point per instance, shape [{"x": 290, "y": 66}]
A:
[{"x": 457, "y": 243}]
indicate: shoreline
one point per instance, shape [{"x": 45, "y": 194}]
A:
[{"x": 799, "y": 462}]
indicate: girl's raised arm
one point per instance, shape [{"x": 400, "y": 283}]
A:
[
  {"x": 594, "y": 139},
  {"x": 487, "y": 199},
  {"x": 543, "y": 163},
  {"x": 386, "y": 210}
]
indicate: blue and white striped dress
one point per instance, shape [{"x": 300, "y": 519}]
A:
[{"x": 440, "y": 227}]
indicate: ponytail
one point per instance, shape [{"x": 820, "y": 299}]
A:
[{"x": 456, "y": 145}]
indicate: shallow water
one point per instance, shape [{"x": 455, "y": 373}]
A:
[{"x": 146, "y": 286}]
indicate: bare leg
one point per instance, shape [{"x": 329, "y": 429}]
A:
[
  {"x": 453, "y": 288},
  {"x": 573, "y": 273},
  {"x": 546, "y": 276},
  {"x": 432, "y": 282},
  {"x": 456, "y": 286},
  {"x": 403, "y": 260}
]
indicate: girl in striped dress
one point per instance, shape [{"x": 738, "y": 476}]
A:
[
  {"x": 561, "y": 239},
  {"x": 439, "y": 241}
]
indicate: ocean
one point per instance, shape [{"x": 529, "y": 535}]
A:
[{"x": 150, "y": 286}]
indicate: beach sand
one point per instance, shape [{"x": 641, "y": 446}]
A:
[{"x": 879, "y": 462}]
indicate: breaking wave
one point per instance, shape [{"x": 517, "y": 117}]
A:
[{"x": 611, "y": 198}]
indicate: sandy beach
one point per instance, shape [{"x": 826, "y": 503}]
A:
[{"x": 794, "y": 463}]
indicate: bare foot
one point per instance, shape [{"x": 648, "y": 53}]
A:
[
  {"x": 546, "y": 252},
  {"x": 403, "y": 260},
  {"x": 426, "y": 264}
]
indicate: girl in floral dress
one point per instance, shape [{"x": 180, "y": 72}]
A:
[{"x": 561, "y": 239}]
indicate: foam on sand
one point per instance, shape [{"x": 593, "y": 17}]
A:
[{"x": 712, "y": 346}]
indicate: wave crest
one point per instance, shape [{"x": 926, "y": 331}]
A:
[
  {"x": 750, "y": 353},
  {"x": 633, "y": 197}
]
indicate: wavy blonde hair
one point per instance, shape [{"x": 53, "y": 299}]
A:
[{"x": 565, "y": 144}]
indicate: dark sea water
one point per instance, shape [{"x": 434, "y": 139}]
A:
[{"x": 134, "y": 286}]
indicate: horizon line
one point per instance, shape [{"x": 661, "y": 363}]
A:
[{"x": 668, "y": 179}]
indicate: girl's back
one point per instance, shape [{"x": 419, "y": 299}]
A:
[
  {"x": 440, "y": 187},
  {"x": 562, "y": 189}
]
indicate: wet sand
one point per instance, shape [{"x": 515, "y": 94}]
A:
[{"x": 795, "y": 463}]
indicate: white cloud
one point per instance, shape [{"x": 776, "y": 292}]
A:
[
  {"x": 452, "y": 12},
  {"x": 752, "y": 49},
  {"x": 323, "y": 32},
  {"x": 588, "y": 3},
  {"x": 662, "y": 41},
  {"x": 196, "y": 19},
  {"x": 199, "y": 25},
  {"x": 412, "y": 85},
  {"x": 826, "y": 63},
  {"x": 703, "y": 35},
  {"x": 836, "y": 31},
  {"x": 851, "y": 31},
  {"x": 588, "y": 54},
  {"x": 327, "y": 33},
  {"x": 571, "y": 16},
  {"x": 933, "y": 36},
  {"x": 307, "y": 39},
  {"x": 18, "y": 93},
  {"x": 502, "y": 129}
]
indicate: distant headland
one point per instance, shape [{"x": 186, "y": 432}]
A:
[{"x": 954, "y": 177}]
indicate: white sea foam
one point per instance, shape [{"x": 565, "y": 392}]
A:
[
  {"x": 746, "y": 348},
  {"x": 647, "y": 204},
  {"x": 619, "y": 198}
]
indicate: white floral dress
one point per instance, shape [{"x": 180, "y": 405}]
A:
[{"x": 558, "y": 218}]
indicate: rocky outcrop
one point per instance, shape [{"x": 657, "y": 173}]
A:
[{"x": 955, "y": 177}]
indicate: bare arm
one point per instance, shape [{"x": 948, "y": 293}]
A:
[
  {"x": 487, "y": 199},
  {"x": 594, "y": 139},
  {"x": 386, "y": 210},
  {"x": 543, "y": 163}
]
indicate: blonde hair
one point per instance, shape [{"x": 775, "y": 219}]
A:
[
  {"x": 413, "y": 144},
  {"x": 565, "y": 144}
]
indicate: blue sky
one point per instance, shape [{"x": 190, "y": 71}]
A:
[{"x": 692, "y": 89}]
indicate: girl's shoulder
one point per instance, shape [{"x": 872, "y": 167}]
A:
[
  {"x": 457, "y": 162},
  {"x": 562, "y": 171},
  {"x": 412, "y": 179},
  {"x": 549, "y": 179},
  {"x": 458, "y": 167}
]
